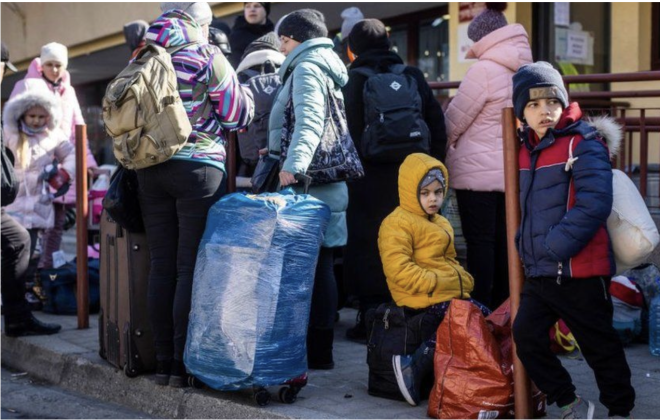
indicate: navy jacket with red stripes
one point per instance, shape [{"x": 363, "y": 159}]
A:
[{"x": 564, "y": 210}]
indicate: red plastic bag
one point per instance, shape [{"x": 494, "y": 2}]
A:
[{"x": 474, "y": 365}]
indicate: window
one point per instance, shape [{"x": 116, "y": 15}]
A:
[{"x": 575, "y": 37}]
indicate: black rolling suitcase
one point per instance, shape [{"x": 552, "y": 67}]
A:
[{"x": 125, "y": 336}]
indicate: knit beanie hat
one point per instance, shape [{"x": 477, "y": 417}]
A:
[
  {"x": 303, "y": 25},
  {"x": 537, "y": 81},
  {"x": 55, "y": 52},
  {"x": 135, "y": 32},
  {"x": 487, "y": 21},
  {"x": 266, "y": 42},
  {"x": 434, "y": 174},
  {"x": 351, "y": 16},
  {"x": 368, "y": 34},
  {"x": 200, "y": 11},
  {"x": 265, "y": 5},
  {"x": 5, "y": 58}
]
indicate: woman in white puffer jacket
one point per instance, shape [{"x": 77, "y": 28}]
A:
[{"x": 474, "y": 154}]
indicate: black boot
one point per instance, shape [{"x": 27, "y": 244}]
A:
[
  {"x": 29, "y": 326},
  {"x": 163, "y": 372},
  {"x": 359, "y": 331},
  {"x": 178, "y": 375},
  {"x": 410, "y": 372},
  {"x": 319, "y": 348}
]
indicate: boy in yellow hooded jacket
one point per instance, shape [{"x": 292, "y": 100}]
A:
[{"x": 417, "y": 249}]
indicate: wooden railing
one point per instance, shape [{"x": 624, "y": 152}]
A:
[{"x": 636, "y": 122}]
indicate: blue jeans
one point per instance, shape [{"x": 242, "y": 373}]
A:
[
  {"x": 175, "y": 197},
  {"x": 434, "y": 316}
]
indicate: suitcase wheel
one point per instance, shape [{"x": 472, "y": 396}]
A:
[
  {"x": 195, "y": 383},
  {"x": 261, "y": 396},
  {"x": 288, "y": 394},
  {"x": 131, "y": 373}
]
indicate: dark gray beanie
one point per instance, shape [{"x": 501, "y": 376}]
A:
[
  {"x": 487, "y": 21},
  {"x": 537, "y": 81},
  {"x": 303, "y": 25}
]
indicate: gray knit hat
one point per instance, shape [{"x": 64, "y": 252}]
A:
[
  {"x": 487, "y": 21},
  {"x": 434, "y": 174},
  {"x": 199, "y": 10},
  {"x": 537, "y": 81},
  {"x": 303, "y": 25}
]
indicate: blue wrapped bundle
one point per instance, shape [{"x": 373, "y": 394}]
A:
[{"x": 252, "y": 289}]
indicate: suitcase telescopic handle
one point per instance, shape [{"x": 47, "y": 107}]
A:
[{"x": 306, "y": 181}]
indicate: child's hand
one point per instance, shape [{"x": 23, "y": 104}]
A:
[{"x": 48, "y": 172}]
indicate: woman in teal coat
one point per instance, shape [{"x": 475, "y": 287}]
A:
[{"x": 314, "y": 70}]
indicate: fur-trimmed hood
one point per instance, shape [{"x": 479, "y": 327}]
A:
[
  {"x": 258, "y": 58},
  {"x": 610, "y": 130},
  {"x": 36, "y": 93}
]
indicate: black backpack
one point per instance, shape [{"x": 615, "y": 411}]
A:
[
  {"x": 264, "y": 85},
  {"x": 394, "y": 123},
  {"x": 392, "y": 330}
]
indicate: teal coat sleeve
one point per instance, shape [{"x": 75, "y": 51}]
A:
[{"x": 309, "y": 97}]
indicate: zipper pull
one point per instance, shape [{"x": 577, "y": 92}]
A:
[
  {"x": 560, "y": 270},
  {"x": 385, "y": 320},
  {"x": 382, "y": 117}
]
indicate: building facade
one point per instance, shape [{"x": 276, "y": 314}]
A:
[{"x": 579, "y": 38}]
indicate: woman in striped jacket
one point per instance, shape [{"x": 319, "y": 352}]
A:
[{"x": 176, "y": 195}]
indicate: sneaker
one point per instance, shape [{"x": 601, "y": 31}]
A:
[
  {"x": 405, "y": 378},
  {"x": 579, "y": 409},
  {"x": 31, "y": 326},
  {"x": 163, "y": 372}
]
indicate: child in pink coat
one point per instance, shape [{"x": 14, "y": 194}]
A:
[
  {"x": 50, "y": 67},
  {"x": 30, "y": 129}
]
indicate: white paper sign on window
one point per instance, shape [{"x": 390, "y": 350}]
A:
[
  {"x": 577, "y": 45},
  {"x": 562, "y": 14}
]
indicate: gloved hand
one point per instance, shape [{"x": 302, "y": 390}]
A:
[{"x": 48, "y": 172}]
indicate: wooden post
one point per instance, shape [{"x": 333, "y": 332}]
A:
[
  {"x": 522, "y": 391},
  {"x": 82, "y": 289},
  {"x": 230, "y": 163}
]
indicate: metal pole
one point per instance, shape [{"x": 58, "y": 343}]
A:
[
  {"x": 82, "y": 289},
  {"x": 521, "y": 384},
  {"x": 230, "y": 163},
  {"x": 643, "y": 154}
]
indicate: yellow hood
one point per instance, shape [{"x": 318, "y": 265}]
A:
[{"x": 411, "y": 173}]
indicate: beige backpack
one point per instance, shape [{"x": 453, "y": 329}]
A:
[{"x": 143, "y": 112}]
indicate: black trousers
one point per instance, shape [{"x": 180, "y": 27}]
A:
[
  {"x": 175, "y": 197},
  {"x": 15, "y": 259},
  {"x": 586, "y": 307},
  {"x": 483, "y": 219},
  {"x": 324, "y": 294}
]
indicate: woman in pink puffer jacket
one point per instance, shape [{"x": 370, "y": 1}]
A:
[
  {"x": 50, "y": 67},
  {"x": 474, "y": 154}
]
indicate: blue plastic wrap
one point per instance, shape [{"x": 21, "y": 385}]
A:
[{"x": 252, "y": 289}]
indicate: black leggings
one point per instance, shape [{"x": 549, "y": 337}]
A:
[{"x": 175, "y": 197}]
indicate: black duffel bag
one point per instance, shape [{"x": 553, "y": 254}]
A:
[{"x": 392, "y": 330}]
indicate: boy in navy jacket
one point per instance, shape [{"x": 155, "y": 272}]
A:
[{"x": 565, "y": 200}]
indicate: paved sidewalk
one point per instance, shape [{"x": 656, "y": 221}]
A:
[{"x": 70, "y": 359}]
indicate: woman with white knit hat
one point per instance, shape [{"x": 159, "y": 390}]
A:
[{"x": 51, "y": 66}]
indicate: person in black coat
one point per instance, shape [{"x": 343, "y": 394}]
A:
[
  {"x": 252, "y": 24},
  {"x": 375, "y": 196}
]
